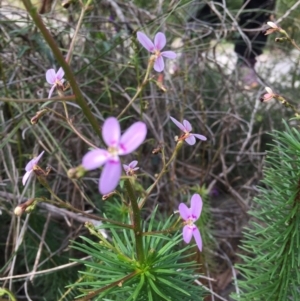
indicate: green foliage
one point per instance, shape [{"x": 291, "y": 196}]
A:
[
  {"x": 115, "y": 269},
  {"x": 109, "y": 65},
  {"x": 271, "y": 261},
  {"x": 49, "y": 259}
]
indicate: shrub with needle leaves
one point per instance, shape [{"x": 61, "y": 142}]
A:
[
  {"x": 115, "y": 269},
  {"x": 271, "y": 245}
]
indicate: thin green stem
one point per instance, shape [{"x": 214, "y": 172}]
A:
[
  {"x": 4, "y": 291},
  {"x": 292, "y": 41},
  {"x": 62, "y": 204},
  {"x": 61, "y": 60},
  {"x": 66, "y": 110},
  {"x": 79, "y": 23},
  {"x": 90, "y": 295},
  {"x": 137, "y": 225},
  {"x": 164, "y": 169},
  {"x": 70, "y": 123},
  {"x": 175, "y": 227},
  {"x": 287, "y": 104},
  {"x": 139, "y": 88}
]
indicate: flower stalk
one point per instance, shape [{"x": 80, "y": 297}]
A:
[
  {"x": 62, "y": 62},
  {"x": 137, "y": 227},
  {"x": 164, "y": 169},
  {"x": 139, "y": 88}
]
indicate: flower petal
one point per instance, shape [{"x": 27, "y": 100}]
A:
[
  {"x": 184, "y": 211},
  {"x": 201, "y": 137},
  {"x": 187, "y": 125},
  {"x": 132, "y": 138},
  {"x": 110, "y": 176},
  {"x": 126, "y": 167},
  {"x": 133, "y": 164},
  {"x": 196, "y": 205},
  {"x": 198, "y": 238},
  {"x": 187, "y": 233},
  {"x": 169, "y": 54},
  {"x": 95, "y": 158},
  {"x": 191, "y": 140},
  {"x": 145, "y": 41},
  {"x": 51, "y": 91},
  {"x": 34, "y": 161},
  {"x": 60, "y": 73},
  {"x": 39, "y": 157},
  {"x": 51, "y": 76},
  {"x": 160, "y": 41},
  {"x": 269, "y": 90},
  {"x": 180, "y": 125},
  {"x": 26, "y": 176},
  {"x": 111, "y": 131},
  {"x": 159, "y": 64}
]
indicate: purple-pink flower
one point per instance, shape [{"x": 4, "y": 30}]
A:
[
  {"x": 186, "y": 128},
  {"x": 155, "y": 48},
  {"x": 190, "y": 216},
  {"x": 55, "y": 79},
  {"x": 117, "y": 145},
  {"x": 131, "y": 168},
  {"x": 30, "y": 167},
  {"x": 268, "y": 96}
]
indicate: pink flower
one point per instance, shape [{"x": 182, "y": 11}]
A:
[
  {"x": 30, "y": 167},
  {"x": 190, "y": 215},
  {"x": 274, "y": 28},
  {"x": 117, "y": 146},
  {"x": 187, "y": 136},
  {"x": 155, "y": 48},
  {"x": 131, "y": 168},
  {"x": 272, "y": 24},
  {"x": 268, "y": 96},
  {"x": 55, "y": 79}
]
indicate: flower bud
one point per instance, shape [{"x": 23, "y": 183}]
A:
[
  {"x": 39, "y": 114},
  {"x": 281, "y": 40},
  {"x": 268, "y": 96},
  {"x": 27, "y": 206},
  {"x": 274, "y": 28},
  {"x": 18, "y": 211},
  {"x": 272, "y": 24},
  {"x": 76, "y": 173},
  {"x": 107, "y": 196}
]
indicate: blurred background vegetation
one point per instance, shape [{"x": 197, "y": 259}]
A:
[{"x": 203, "y": 86}]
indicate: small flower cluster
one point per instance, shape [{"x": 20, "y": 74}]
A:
[
  {"x": 192, "y": 214},
  {"x": 120, "y": 145}
]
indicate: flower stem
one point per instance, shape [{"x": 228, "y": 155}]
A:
[
  {"x": 83, "y": 10},
  {"x": 90, "y": 295},
  {"x": 292, "y": 41},
  {"x": 62, "y": 204},
  {"x": 287, "y": 104},
  {"x": 4, "y": 291},
  {"x": 61, "y": 60},
  {"x": 139, "y": 89},
  {"x": 164, "y": 169},
  {"x": 136, "y": 214}
]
